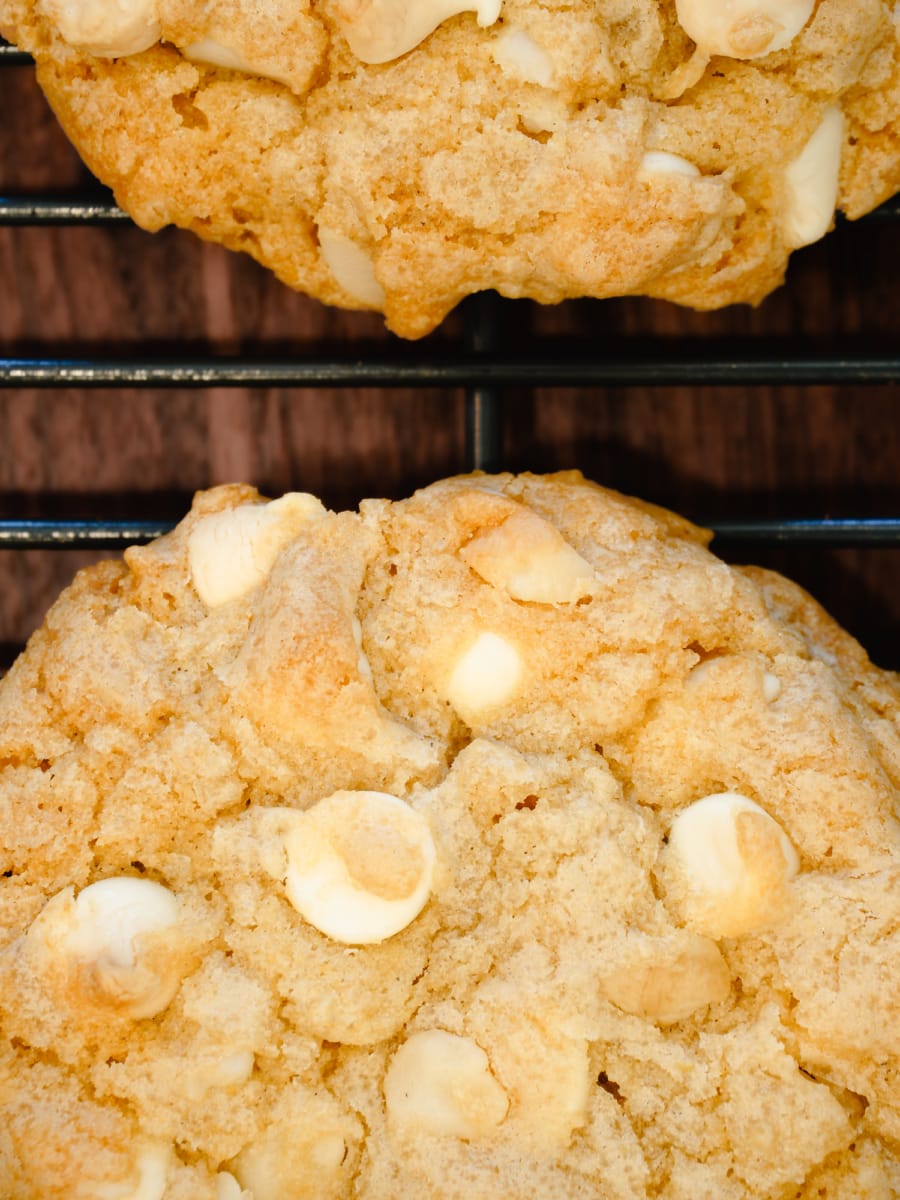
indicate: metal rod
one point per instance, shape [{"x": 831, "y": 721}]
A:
[
  {"x": 836, "y": 531},
  {"x": 115, "y": 535},
  {"x": 100, "y": 209},
  {"x": 484, "y": 419},
  {"x": 700, "y": 364}
]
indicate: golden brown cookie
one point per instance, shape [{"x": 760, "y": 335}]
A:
[
  {"x": 399, "y": 155},
  {"x": 499, "y": 842}
]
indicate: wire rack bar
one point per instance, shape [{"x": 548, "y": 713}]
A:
[
  {"x": 96, "y": 207},
  {"x": 640, "y": 364},
  {"x": 99, "y": 209},
  {"x": 12, "y": 56},
  {"x": 116, "y": 535}
]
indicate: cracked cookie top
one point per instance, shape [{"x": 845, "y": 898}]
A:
[
  {"x": 399, "y": 155},
  {"x": 501, "y": 841}
]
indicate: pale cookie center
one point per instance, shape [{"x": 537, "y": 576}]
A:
[
  {"x": 440, "y": 1083},
  {"x": 811, "y": 182},
  {"x": 743, "y": 28},
  {"x": 728, "y": 862},
  {"x": 378, "y": 31},
  {"x": 529, "y": 559},
  {"x": 360, "y": 866},
  {"x": 233, "y": 551}
]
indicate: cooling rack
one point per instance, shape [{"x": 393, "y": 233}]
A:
[{"x": 485, "y": 362}]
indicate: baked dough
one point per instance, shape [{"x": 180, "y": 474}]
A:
[
  {"x": 399, "y": 155},
  {"x": 498, "y": 842}
]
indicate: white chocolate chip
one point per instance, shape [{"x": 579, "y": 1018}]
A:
[
  {"x": 811, "y": 182},
  {"x": 289, "y": 1164},
  {"x": 352, "y": 267},
  {"x": 531, "y": 560},
  {"x": 100, "y": 933},
  {"x": 727, "y": 864},
  {"x": 378, "y": 31},
  {"x": 771, "y": 687},
  {"x": 485, "y": 676},
  {"x": 152, "y": 1167},
  {"x": 233, "y": 551},
  {"x": 657, "y": 164},
  {"x": 669, "y": 988},
  {"x": 743, "y": 28},
  {"x": 442, "y": 1084},
  {"x": 107, "y": 28},
  {"x": 359, "y": 866},
  {"x": 519, "y": 55},
  {"x": 227, "y": 1187},
  {"x": 230, "y": 1071}
]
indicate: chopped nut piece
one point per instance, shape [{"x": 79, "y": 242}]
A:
[
  {"x": 442, "y": 1084},
  {"x": 531, "y": 560},
  {"x": 232, "y": 551},
  {"x": 812, "y": 182}
]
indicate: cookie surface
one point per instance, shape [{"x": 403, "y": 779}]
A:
[
  {"x": 501, "y": 841},
  {"x": 399, "y": 156}
]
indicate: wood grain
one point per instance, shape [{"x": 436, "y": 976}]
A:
[{"x": 705, "y": 451}]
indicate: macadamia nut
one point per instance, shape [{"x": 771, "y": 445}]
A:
[
  {"x": 441, "y": 1083},
  {"x": 231, "y": 552}
]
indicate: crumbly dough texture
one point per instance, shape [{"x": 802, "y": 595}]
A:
[
  {"x": 501, "y": 156},
  {"x": 549, "y": 1022}
]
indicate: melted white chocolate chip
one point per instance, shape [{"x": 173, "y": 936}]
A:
[
  {"x": 291, "y": 1164},
  {"x": 517, "y": 54},
  {"x": 360, "y": 866},
  {"x": 229, "y": 1071},
  {"x": 727, "y": 864},
  {"x": 99, "y": 933},
  {"x": 378, "y": 31},
  {"x": 440, "y": 1083},
  {"x": 152, "y": 1166},
  {"x": 485, "y": 676},
  {"x": 233, "y": 551},
  {"x": 743, "y": 28},
  {"x": 811, "y": 182},
  {"x": 227, "y": 1187},
  {"x": 109, "y": 30},
  {"x": 529, "y": 559}
]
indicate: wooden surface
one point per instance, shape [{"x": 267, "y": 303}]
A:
[{"x": 704, "y": 451}]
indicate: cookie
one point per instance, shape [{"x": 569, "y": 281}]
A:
[
  {"x": 398, "y": 155},
  {"x": 498, "y": 842}
]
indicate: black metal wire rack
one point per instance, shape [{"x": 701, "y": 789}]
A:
[{"x": 484, "y": 365}]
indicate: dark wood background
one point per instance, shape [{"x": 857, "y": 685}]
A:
[{"x": 746, "y": 451}]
